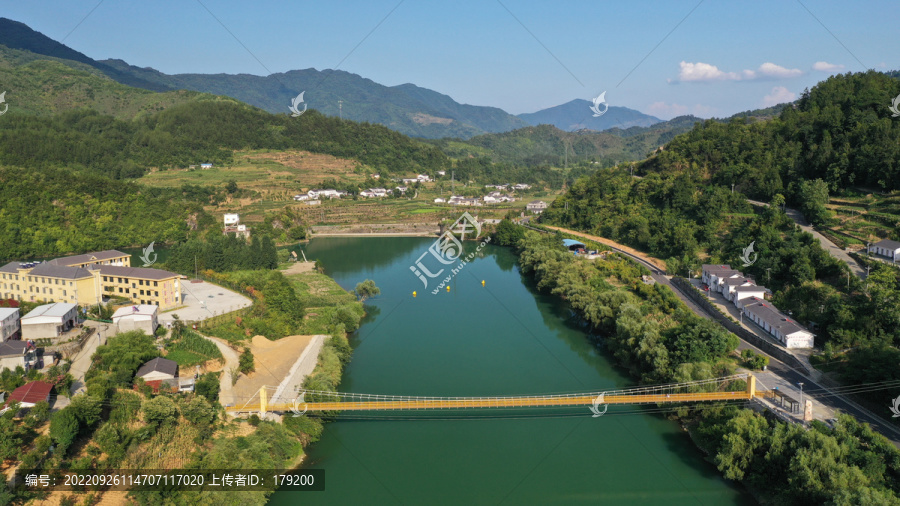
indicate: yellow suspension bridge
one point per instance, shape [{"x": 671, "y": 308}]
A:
[{"x": 695, "y": 391}]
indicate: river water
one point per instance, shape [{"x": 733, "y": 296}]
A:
[{"x": 503, "y": 338}]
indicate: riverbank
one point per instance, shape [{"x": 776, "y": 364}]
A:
[{"x": 376, "y": 230}]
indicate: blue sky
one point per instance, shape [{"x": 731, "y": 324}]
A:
[{"x": 725, "y": 57}]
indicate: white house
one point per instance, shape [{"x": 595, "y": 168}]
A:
[
  {"x": 521, "y": 186},
  {"x": 423, "y": 178},
  {"x": 783, "y": 328},
  {"x": 886, "y": 248},
  {"x": 717, "y": 279},
  {"x": 490, "y": 200},
  {"x": 327, "y": 193},
  {"x": 158, "y": 369},
  {"x": 301, "y": 197},
  {"x": 731, "y": 284},
  {"x": 439, "y": 201},
  {"x": 140, "y": 317},
  {"x": 403, "y": 189},
  {"x": 206, "y": 165},
  {"x": 744, "y": 294},
  {"x": 409, "y": 180},
  {"x": 49, "y": 320},
  {"x": 232, "y": 219},
  {"x": 367, "y": 193},
  {"x": 9, "y": 322},
  {"x": 536, "y": 206},
  {"x": 442, "y": 173},
  {"x": 12, "y": 355}
]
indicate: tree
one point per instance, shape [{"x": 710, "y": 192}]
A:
[
  {"x": 159, "y": 410},
  {"x": 245, "y": 361},
  {"x": 208, "y": 386},
  {"x": 64, "y": 428},
  {"x": 812, "y": 197},
  {"x": 366, "y": 289},
  {"x": 231, "y": 186},
  {"x": 87, "y": 409},
  {"x": 199, "y": 411}
]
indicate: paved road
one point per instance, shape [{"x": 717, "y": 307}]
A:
[
  {"x": 816, "y": 391},
  {"x": 827, "y": 245}
]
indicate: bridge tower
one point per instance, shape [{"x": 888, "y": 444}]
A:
[
  {"x": 751, "y": 385},
  {"x": 263, "y": 401}
]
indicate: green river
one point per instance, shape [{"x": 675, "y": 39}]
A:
[{"x": 503, "y": 338}]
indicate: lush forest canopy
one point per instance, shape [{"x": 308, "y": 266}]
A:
[{"x": 841, "y": 131}]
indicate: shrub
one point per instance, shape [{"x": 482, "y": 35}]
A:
[
  {"x": 159, "y": 410},
  {"x": 245, "y": 362}
]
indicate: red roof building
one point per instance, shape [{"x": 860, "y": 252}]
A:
[{"x": 30, "y": 394}]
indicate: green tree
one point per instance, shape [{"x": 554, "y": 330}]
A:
[
  {"x": 64, "y": 428},
  {"x": 366, "y": 289},
  {"x": 159, "y": 410},
  {"x": 245, "y": 361}
]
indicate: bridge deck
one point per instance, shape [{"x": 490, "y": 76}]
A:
[{"x": 495, "y": 402}]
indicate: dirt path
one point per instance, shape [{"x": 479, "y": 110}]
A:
[
  {"x": 299, "y": 268},
  {"x": 226, "y": 391},
  {"x": 602, "y": 240}
]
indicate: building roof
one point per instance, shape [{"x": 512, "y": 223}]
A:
[
  {"x": 887, "y": 244},
  {"x": 12, "y": 348},
  {"x": 159, "y": 364},
  {"x": 537, "y": 202},
  {"x": 750, "y": 288},
  {"x": 6, "y": 311},
  {"x": 89, "y": 257},
  {"x": 59, "y": 271},
  {"x": 139, "y": 309},
  {"x": 572, "y": 242},
  {"x": 775, "y": 318},
  {"x": 726, "y": 273},
  {"x": 31, "y": 393},
  {"x": 712, "y": 267},
  {"x": 12, "y": 267},
  {"x": 135, "y": 272},
  {"x": 737, "y": 281},
  {"x": 57, "y": 309}
]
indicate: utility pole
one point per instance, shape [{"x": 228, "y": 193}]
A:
[
  {"x": 732, "y": 188},
  {"x": 341, "y": 108},
  {"x": 802, "y": 409},
  {"x": 767, "y": 275}
]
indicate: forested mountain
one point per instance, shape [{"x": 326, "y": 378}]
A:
[
  {"x": 577, "y": 115},
  {"x": 37, "y": 85},
  {"x": 407, "y": 108},
  {"x": 841, "y": 131},
  {"x": 203, "y": 131}
]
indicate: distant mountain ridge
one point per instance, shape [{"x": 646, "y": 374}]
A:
[
  {"x": 406, "y": 108},
  {"x": 577, "y": 115}
]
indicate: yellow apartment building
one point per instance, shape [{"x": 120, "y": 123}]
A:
[{"x": 84, "y": 279}]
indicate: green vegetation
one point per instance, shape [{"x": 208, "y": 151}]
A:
[
  {"x": 53, "y": 211},
  {"x": 788, "y": 464},
  {"x": 190, "y": 349},
  {"x": 646, "y": 327},
  {"x": 222, "y": 253}
]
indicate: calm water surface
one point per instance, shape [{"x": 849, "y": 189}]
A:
[{"x": 500, "y": 339}]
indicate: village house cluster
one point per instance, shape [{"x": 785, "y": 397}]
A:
[{"x": 747, "y": 296}]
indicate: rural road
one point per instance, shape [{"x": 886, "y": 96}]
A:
[
  {"x": 226, "y": 394},
  {"x": 82, "y": 361}
]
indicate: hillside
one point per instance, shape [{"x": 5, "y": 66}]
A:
[
  {"x": 36, "y": 85},
  {"x": 577, "y": 115},
  {"x": 547, "y": 145}
]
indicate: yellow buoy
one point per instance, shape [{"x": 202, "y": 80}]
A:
[
  {"x": 482, "y": 282},
  {"x": 414, "y": 294},
  {"x": 448, "y": 288}
]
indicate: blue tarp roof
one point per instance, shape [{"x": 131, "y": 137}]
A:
[{"x": 572, "y": 242}]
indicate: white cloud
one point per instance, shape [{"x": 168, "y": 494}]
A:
[
  {"x": 824, "y": 66},
  {"x": 779, "y": 95},
  {"x": 777, "y": 71},
  {"x": 706, "y": 72},
  {"x": 669, "y": 111},
  {"x": 703, "y": 72}
]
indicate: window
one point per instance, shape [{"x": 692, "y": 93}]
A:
[
  {"x": 104, "y": 279},
  {"x": 142, "y": 293},
  {"x": 156, "y": 294},
  {"x": 64, "y": 293},
  {"x": 155, "y": 283},
  {"x": 126, "y": 291},
  {"x": 71, "y": 283},
  {"x": 120, "y": 289}
]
